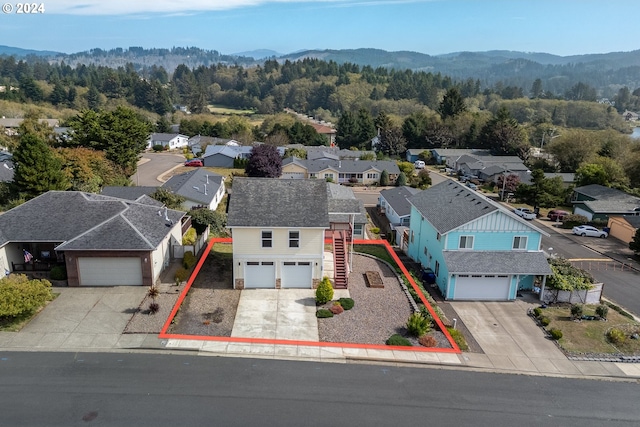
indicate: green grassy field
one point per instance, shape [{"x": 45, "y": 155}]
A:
[{"x": 227, "y": 111}]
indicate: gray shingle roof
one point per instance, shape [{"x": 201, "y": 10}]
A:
[
  {"x": 600, "y": 192},
  {"x": 165, "y": 137},
  {"x": 397, "y": 199},
  {"x": 613, "y": 206},
  {"x": 266, "y": 202},
  {"x": 496, "y": 262},
  {"x": 351, "y": 166},
  {"x": 342, "y": 203},
  {"x": 84, "y": 221},
  {"x": 191, "y": 185},
  {"x": 448, "y": 205},
  {"x": 127, "y": 193}
]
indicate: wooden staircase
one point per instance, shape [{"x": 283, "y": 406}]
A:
[{"x": 340, "y": 279}]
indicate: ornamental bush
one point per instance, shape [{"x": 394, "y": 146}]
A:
[
  {"x": 576, "y": 311},
  {"x": 555, "y": 333},
  {"x": 58, "y": 272},
  {"x": 323, "y": 313},
  {"x": 398, "y": 340},
  {"x": 545, "y": 321},
  {"x": 189, "y": 260},
  {"x": 182, "y": 274},
  {"x": 324, "y": 292},
  {"x": 21, "y": 296},
  {"x": 346, "y": 303},
  {"x": 336, "y": 308},
  {"x": 190, "y": 236},
  {"x": 537, "y": 312},
  {"x": 417, "y": 325},
  {"x": 602, "y": 311},
  {"x": 428, "y": 341},
  {"x": 616, "y": 336}
]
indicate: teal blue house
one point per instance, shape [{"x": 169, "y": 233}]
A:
[{"x": 477, "y": 249}]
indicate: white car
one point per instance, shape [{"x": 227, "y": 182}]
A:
[
  {"x": 419, "y": 164},
  {"x": 589, "y": 231},
  {"x": 525, "y": 213}
]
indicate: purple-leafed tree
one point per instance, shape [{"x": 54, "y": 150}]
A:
[
  {"x": 512, "y": 182},
  {"x": 264, "y": 162}
]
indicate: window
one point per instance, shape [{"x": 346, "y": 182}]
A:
[
  {"x": 437, "y": 269},
  {"x": 372, "y": 176},
  {"x": 466, "y": 242},
  {"x": 438, "y": 236},
  {"x": 328, "y": 175},
  {"x": 289, "y": 263},
  {"x": 294, "y": 239},
  {"x": 357, "y": 229},
  {"x": 520, "y": 242},
  {"x": 267, "y": 239}
]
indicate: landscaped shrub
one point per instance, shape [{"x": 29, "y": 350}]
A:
[
  {"x": 189, "y": 260},
  {"x": 58, "y": 272},
  {"x": 158, "y": 147},
  {"x": 324, "y": 293},
  {"x": 545, "y": 321},
  {"x": 571, "y": 221},
  {"x": 154, "y": 307},
  {"x": 190, "y": 237},
  {"x": 20, "y": 296},
  {"x": 619, "y": 310},
  {"x": 602, "y": 311},
  {"x": 577, "y": 310},
  {"x": 375, "y": 230},
  {"x": 336, "y": 308},
  {"x": 428, "y": 341},
  {"x": 417, "y": 325},
  {"x": 182, "y": 274},
  {"x": 398, "y": 340},
  {"x": 458, "y": 338},
  {"x": 616, "y": 336},
  {"x": 537, "y": 311},
  {"x": 555, "y": 333},
  {"x": 323, "y": 313},
  {"x": 427, "y": 315},
  {"x": 346, "y": 303}
]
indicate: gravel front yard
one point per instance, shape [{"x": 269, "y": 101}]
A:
[{"x": 377, "y": 314}]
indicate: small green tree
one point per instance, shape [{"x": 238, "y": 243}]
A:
[
  {"x": 324, "y": 292},
  {"x": 401, "y": 180},
  {"x": 167, "y": 198},
  {"x": 424, "y": 179},
  {"x": 384, "y": 178},
  {"x": 201, "y": 218}
]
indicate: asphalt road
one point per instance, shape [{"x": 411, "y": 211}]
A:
[
  {"x": 620, "y": 286},
  {"x": 157, "y": 164},
  {"x": 112, "y": 389}
]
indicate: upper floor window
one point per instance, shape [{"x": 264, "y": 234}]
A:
[
  {"x": 267, "y": 239},
  {"x": 520, "y": 242},
  {"x": 294, "y": 239},
  {"x": 466, "y": 242}
]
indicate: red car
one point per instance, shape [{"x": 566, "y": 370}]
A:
[
  {"x": 557, "y": 215},
  {"x": 194, "y": 163}
]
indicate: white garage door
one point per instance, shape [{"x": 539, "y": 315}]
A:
[
  {"x": 493, "y": 288},
  {"x": 293, "y": 175},
  {"x": 296, "y": 275},
  {"x": 580, "y": 211},
  {"x": 259, "y": 275},
  {"x": 110, "y": 271}
]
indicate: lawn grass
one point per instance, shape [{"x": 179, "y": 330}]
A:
[
  {"x": 589, "y": 336},
  {"x": 222, "y": 250},
  {"x": 15, "y": 324},
  {"x": 227, "y": 111},
  {"x": 377, "y": 251}
]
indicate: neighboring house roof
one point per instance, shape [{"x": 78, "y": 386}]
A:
[
  {"x": 314, "y": 153},
  {"x": 618, "y": 206},
  {"x": 600, "y": 192},
  {"x": 417, "y": 151},
  {"x": 633, "y": 220},
  {"x": 266, "y": 202},
  {"x": 452, "y": 152},
  {"x": 295, "y": 161},
  {"x": 352, "y": 166},
  {"x": 343, "y": 204},
  {"x": 397, "y": 199},
  {"x": 321, "y": 154},
  {"x": 497, "y": 262},
  {"x": 198, "y": 185},
  {"x": 210, "y": 140},
  {"x": 449, "y": 205},
  {"x": 85, "y": 221},
  {"x": 322, "y": 129},
  {"x": 128, "y": 193},
  {"x": 224, "y": 150},
  {"x": 165, "y": 137}
]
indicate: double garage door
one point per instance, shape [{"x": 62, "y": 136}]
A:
[
  {"x": 103, "y": 271},
  {"x": 263, "y": 274},
  {"x": 476, "y": 287}
]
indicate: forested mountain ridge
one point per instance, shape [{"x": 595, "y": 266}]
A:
[{"x": 606, "y": 72}]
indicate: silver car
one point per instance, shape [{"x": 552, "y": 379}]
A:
[{"x": 589, "y": 231}]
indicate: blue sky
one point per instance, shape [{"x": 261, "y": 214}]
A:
[{"x": 562, "y": 27}]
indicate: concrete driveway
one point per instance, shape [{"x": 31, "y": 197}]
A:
[{"x": 509, "y": 338}]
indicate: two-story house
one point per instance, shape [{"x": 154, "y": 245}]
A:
[
  {"x": 278, "y": 229},
  {"x": 477, "y": 249}
]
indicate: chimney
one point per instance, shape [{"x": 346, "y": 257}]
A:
[
  {"x": 205, "y": 189},
  {"x": 166, "y": 214},
  {"x": 207, "y": 179}
]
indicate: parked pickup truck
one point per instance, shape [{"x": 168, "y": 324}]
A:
[{"x": 525, "y": 213}]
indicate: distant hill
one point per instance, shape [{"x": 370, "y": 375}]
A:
[
  {"x": 18, "y": 52},
  {"x": 607, "y": 70},
  {"x": 259, "y": 54}
]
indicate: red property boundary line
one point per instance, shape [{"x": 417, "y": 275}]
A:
[{"x": 163, "y": 333}]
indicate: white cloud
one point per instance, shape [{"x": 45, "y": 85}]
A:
[{"x": 126, "y": 7}]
